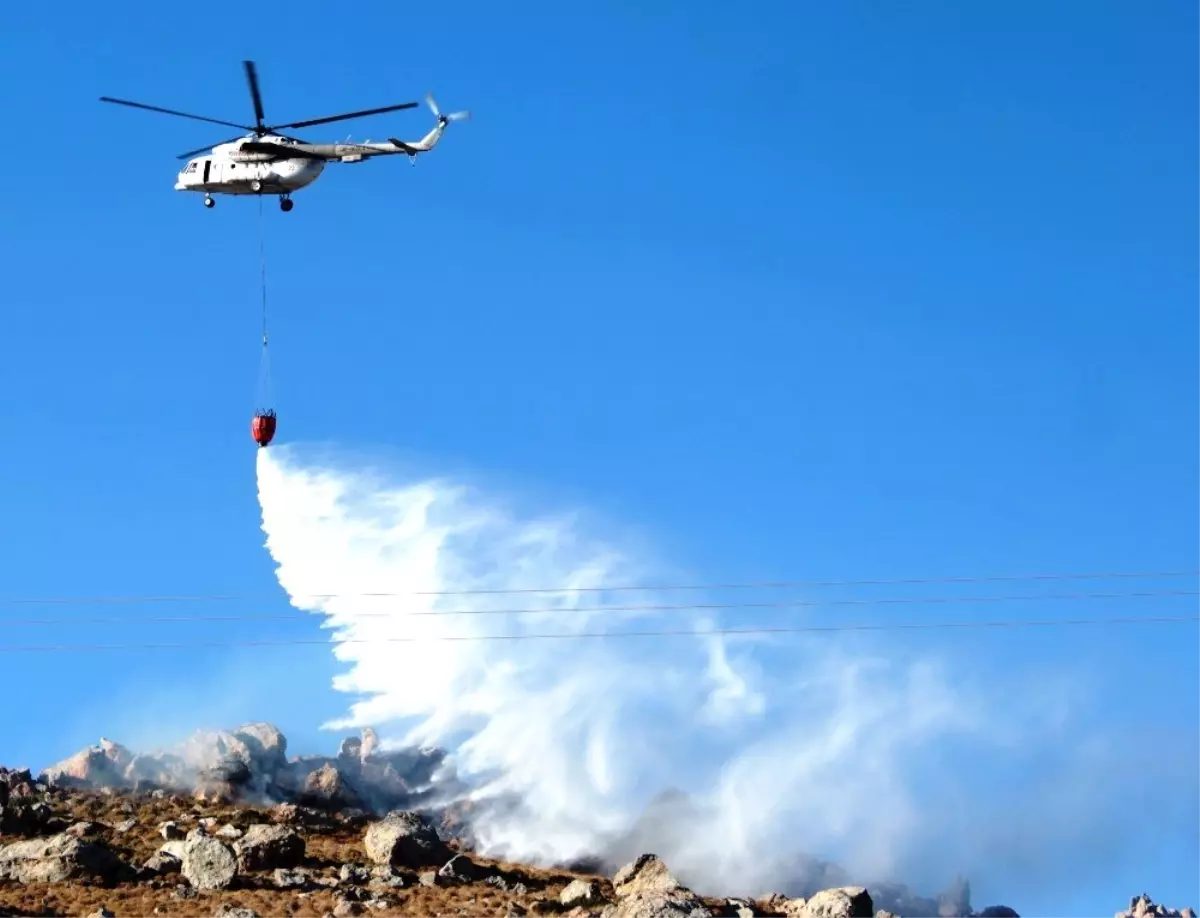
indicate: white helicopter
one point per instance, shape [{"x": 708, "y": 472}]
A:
[{"x": 265, "y": 161}]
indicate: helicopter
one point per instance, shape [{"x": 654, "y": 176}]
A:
[{"x": 265, "y": 161}]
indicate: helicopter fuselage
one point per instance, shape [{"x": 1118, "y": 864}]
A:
[{"x": 229, "y": 170}]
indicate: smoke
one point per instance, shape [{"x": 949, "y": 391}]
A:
[{"x": 773, "y": 748}]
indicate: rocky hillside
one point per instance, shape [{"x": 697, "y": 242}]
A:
[{"x": 229, "y": 825}]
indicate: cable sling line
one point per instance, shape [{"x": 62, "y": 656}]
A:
[{"x": 262, "y": 426}]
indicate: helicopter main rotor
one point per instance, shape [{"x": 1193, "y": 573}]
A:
[{"x": 258, "y": 128}]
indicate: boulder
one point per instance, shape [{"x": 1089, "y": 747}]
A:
[
  {"x": 580, "y": 893},
  {"x": 654, "y": 903},
  {"x": 328, "y": 787},
  {"x": 645, "y": 874},
  {"x": 845, "y": 902},
  {"x": 208, "y": 863},
  {"x": 461, "y": 869},
  {"x": 223, "y": 781},
  {"x": 21, "y": 816},
  {"x": 266, "y": 847},
  {"x": 266, "y": 744},
  {"x": 1144, "y": 907},
  {"x": 287, "y": 878},
  {"x": 405, "y": 839},
  {"x": 160, "y": 864},
  {"x": 97, "y": 766},
  {"x": 1003, "y": 911},
  {"x": 57, "y": 859},
  {"x": 740, "y": 908}
]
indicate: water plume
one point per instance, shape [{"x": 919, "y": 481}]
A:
[{"x": 744, "y": 761}]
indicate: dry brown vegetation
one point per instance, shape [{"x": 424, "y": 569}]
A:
[{"x": 326, "y": 850}]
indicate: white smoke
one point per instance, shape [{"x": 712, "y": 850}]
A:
[{"x": 787, "y": 746}]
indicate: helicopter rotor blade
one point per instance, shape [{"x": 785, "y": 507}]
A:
[
  {"x": 190, "y": 153},
  {"x": 361, "y": 114},
  {"x": 252, "y": 79},
  {"x": 170, "y": 111}
]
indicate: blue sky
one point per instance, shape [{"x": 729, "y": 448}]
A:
[{"x": 810, "y": 291}]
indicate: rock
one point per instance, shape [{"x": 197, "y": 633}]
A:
[
  {"x": 657, "y": 903},
  {"x": 265, "y": 847},
  {"x": 846, "y": 902},
  {"x": 82, "y": 829},
  {"x": 351, "y": 749},
  {"x": 405, "y": 839},
  {"x": 287, "y": 814},
  {"x": 517, "y": 889},
  {"x": 97, "y": 766},
  {"x": 266, "y": 744},
  {"x": 740, "y": 908},
  {"x": 291, "y": 879},
  {"x": 228, "y": 910},
  {"x": 208, "y": 863},
  {"x": 174, "y": 848},
  {"x": 125, "y": 825},
  {"x": 328, "y": 787},
  {"x": 1144, "y": 907},
  {"x": 20, "y": 816},
  {"x": 580, "y": 892},
  {"x": 59, "y": 858},
  {"x": 992, "y": 911},
  {"x": 344, "y": 908},
  {"x": 428, "y": 878},
  {"x": 223, "y": 781},
  {"x": 355, "y": 874},
  {"x": 101, "y": 913},
  {"x": 461, "y": 869},
  {"x": 646, "y": 874},
  {"x": 161, "y": 864},
  {"x": 230, "y": 831},
  {"x": 170, "y": 830},
  {"x": 390, "y": 877}
]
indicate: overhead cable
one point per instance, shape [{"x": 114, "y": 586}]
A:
[
  {"x": 612, "y": 588},
  {"x": 685, "y": 607},
  {"x": 192, "y": 645}
]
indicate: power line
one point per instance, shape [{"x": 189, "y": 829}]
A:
[
  {"x": 686, "y": 607},
  {"x": 764, "y": 584},
  {"x": 191, "y": 645}
]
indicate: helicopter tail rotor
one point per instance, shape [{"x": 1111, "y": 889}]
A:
[{"x": 444, "y": 119}]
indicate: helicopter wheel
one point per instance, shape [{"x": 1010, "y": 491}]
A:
[
  {"x": 285, "y": 204},
  {"x": 208, "y": 201}
]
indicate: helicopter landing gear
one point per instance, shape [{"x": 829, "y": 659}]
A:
[
  {"x": 208, "y": 201},
  {"x": 285, "y": 203}
]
